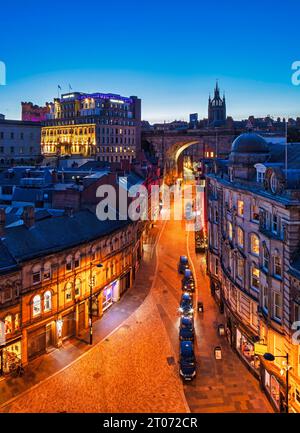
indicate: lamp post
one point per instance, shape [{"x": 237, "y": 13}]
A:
[
  {"x": 91, "y": 284},
  {"x": 270, "y": 357}
]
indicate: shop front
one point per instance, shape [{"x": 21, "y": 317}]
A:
[
  {"x": 110, "y": 294},
  {"x": 41, "y": 340},
  {"x": 242, "y": 342},
  {"x": 273, "y": 388},
  {"x": 10, "y": 356}
]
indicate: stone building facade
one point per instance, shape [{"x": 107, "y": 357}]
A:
[
  {"x": 47, "y": 271},
  {"x": 254, "y": 238}
]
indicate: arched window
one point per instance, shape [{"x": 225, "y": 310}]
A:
[
  {"x": 36, "y": 305},
  {"x": 273, "y": 183},
  {"x": 266, "y": 257},
  {"x": 8, "y": 324},
  {"x": 254, "y": 241},
  {"x": 47, "y": 301},
  {"x": 68, "y": 291}
]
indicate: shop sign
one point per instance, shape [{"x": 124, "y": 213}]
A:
[{"x": 260, "y": 349}]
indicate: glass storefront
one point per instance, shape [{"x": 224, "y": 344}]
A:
[
  {"x": 10, "y": 357},
  {"x": 273, "y": 388},
  {"x": 110, "y": 294},
  {"x": 246, "y": 348}
]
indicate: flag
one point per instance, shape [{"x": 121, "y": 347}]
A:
[
  {"x": 59, "y": 87},
  {"x": 70, "y": 88}
]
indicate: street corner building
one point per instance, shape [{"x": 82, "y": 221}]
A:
[
  {"x": 105, "y": 126},
  {"x": 49, "y": 274},
  {"x": 253, "y": 200}
]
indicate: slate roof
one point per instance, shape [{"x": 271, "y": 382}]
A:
[{"x": 50, "y": 235}]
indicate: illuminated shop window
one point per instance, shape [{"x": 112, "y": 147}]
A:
[
  {"x": 36, "y": 305},
  {"x": 68, "y": 291}
]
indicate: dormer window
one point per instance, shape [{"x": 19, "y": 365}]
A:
[{"x": 260, "y": 173}]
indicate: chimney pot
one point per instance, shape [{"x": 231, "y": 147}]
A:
[{"x": 28, "y": 216}]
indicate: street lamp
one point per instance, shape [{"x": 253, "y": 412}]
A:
[
  {"x": 271, "y": 357},
  {"x": 91, "y": 284}
]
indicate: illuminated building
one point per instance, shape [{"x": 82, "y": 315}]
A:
[
  {"x": 104, "y": 126},
  {"x": 253, "y": 257},
  {"x": 46, "y": 269}
]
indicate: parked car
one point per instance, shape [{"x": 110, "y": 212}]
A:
[
  {"x": 186, "y": 304},
  {"x": 183, "y": 264},
  {"x": 188, "y": 282},
  {"x": 188, "y": 286},
  {"x": 187, "y": 360},
  {"x": 186, "y": 328}
]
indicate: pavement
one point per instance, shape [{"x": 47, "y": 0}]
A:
[{"x": 134, "y": 368}]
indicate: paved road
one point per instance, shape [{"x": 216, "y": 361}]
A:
[{"x": 135, "y": 369}]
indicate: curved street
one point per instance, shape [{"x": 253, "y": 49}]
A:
[{"x": 134, "y": 369}]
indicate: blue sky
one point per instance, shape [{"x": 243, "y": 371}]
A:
[{"x": 169, "y": 53}]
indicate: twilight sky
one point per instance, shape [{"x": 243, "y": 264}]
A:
[{"x": 169, "y": 53}]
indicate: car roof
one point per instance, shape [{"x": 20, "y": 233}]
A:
[
  {"x": 183, "y": 258},
  {"x": 186, "y": 344},
  {"x": 186, "y": 296}
]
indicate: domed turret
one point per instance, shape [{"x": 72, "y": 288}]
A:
[{"x": 250, "y": 143}]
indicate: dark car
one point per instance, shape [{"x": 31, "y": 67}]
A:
[
  {"x": 186, "y": 328},
  {"x": 186, "y": 304},
  {"x": 183, "y": 264},
  {"x": 188, "y": 285},
  {"x": 188, "y": 282},
  {"x": 187, "y": 361}
]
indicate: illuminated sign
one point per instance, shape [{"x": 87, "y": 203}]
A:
[
  {"x": 260, "y": 349},
  {"x": 68, "y": 96},
  {"x": 117, "y": 101}
]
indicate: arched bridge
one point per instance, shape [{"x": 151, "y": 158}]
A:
[{"x": 169, "y": 145}]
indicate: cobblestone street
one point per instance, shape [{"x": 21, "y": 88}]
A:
[{"x": 135, "y": 368}]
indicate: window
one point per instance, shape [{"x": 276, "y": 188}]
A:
[
  {"x": 17, "y": 321},
  {"x": 265, "y": 298},
  {"x": 240, "y": 268},
  {"x": 254, "y": 277},
  {"x": 229, "y": 230},
  {"x": 77, "y": 260},
  {"x": 69, "y": 263},
  {"x": 240, "y": 208},
  {"x": 277, "y": 266},
  {"x": 275, "y": 224},
  {"x": 69, "y": 291},
  {"x": 296, "y": 312},
  {"x": 266, "y": 257},
  {"x": 277, "y": 306},
  {"x": 8, "y": 324},
  {"x": 254, "y": 244},
  {"x": 47, "y": 301},
  {"x": 240, "y": 237},
  {"x": 47, "y": 271},
  {"x": 260, "y": 176},
  {"x": 273, "y": 183},
  {"x": 36, "y": 275},
  {"x": 255, "y": 213},
  {"x": 297, "y": 395},
  {"x": 36, "y": 305},
  {"x": 77, "y": 287}
]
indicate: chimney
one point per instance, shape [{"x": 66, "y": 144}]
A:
[
  {"x": 28, "y": 216},
  {"x": 2, "y": 221}
]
